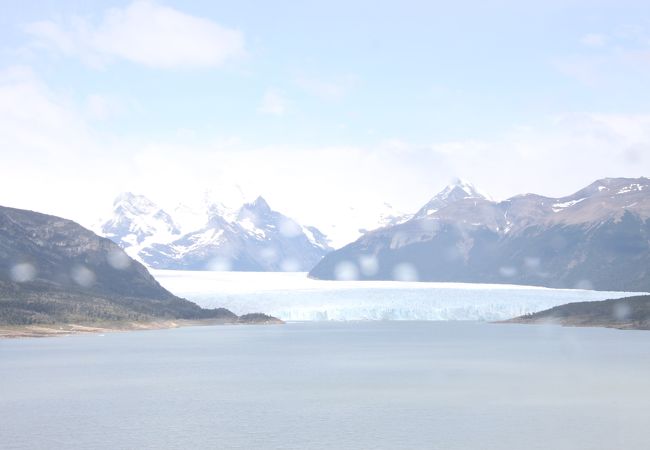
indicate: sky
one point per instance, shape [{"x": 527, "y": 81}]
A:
[{"x": 330, "y": 110}]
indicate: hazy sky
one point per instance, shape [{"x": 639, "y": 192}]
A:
[{"x": 318, "y": 106}]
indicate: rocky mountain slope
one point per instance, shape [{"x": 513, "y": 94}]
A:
[
  {"x": 597, "y": 238},
  {"x": 251, "y": 238},
  {"x": 54, "y": 270}
]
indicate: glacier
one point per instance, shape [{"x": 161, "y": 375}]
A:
[{"x": 295, "y": 297}]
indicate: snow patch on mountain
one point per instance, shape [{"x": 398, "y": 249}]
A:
[
  {"x": 631, "y": 188},
  {"x": 557, "y": 207},
  {"x": 458, "y": 190},
  {"x": 213, "y": 235},
  {"x": 136, "y": 222}
]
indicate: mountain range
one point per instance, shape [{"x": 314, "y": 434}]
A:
[
  {"x": 252, "y": 237},
  {"x": 598, "y": 237}
]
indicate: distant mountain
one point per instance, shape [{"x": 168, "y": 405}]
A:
[
  {"x": 54, "y": 270},
  {"x": 632, "y": 313},
  {"x": 597, "y": 238},
  {"x": 137, "y": 221},
  {"x": 388, "y": 216},
  {"x": 459, "y": 190},
  {"x": 251, "y": 238}
]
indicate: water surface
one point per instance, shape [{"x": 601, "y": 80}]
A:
[{"x": 338, "y": 385}]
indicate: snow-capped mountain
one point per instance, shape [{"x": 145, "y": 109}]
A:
[
  {"x": 373, "y": 216},
  {"x": 597, "y": 237},
  {"x": 459, "y": 190},
  {"x": 252, "y": 237},
  {"x": 137, "y": 222}
]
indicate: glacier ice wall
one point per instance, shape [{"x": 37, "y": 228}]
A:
[{"x": 294, "y": 297}]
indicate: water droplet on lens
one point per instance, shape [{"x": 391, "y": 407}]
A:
[
  {"x": 508, "y": 271},
  {"x": 584, "y": 284},
  {"x": 346, "y": 271},
  {"x": 369, "y": 265},
  {"x": 23, "y": 272},
  {"x": 83, "y": 276},
  {"x": 117, "y": 259},
  {"x": 405, "y": 272},
  {"x": 220, "y": 264},
  {"x": 289, "y": 228},
  {"x": 290, "y": 265}
]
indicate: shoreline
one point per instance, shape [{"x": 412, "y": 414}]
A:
[
  {"x": 70, "y": 329},
  {"x": 623, "y": 326}
]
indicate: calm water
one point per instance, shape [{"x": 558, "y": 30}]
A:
[{"x": 338, "y": 385}]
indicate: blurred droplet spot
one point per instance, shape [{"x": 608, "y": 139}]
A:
[
  {"x": 405, "y": 272},
  {"x": 118, "y": 259},
  {"x": 269, "y": 254},
  {"x": 23, "y": 272},
  {"x": 290, "y": 265},
  {"x": 289, "y": 228},
  {"x": 346, "y": 271},
  {"x": 585, "y": 285},
  {"x": 508, "y": 271},
  {"x": 83, "y": 276},
  {"x": 369, "y": 265},
  {"x": 622, "y": 311},
  {"x": 220, "y": 264}
]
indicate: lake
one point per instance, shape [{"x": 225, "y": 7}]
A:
[{"x": 336, "y": 385}]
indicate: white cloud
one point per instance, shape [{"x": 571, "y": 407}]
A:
[
  {"x": 341, "y": 189},
  {"x": 615, "y": 58},
  {"x": 51, "y": 159},
  {"x": 273, "y": 102},
  {"x": 33, "y": 118},
  {"x": 54, "y": 161},
  {"x": 554, "y": 158},
  {"x": 143, "y": 32},
  {"x": 594, "y": 40},
  {"x": 328, "y": 89},
  {"x": 586, "y": 70},
  {"x": 104, "y": 106}
]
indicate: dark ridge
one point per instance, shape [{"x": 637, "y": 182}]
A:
[
  {"x": 631, "y": 313},
  {"x": 259, "y": 318}
]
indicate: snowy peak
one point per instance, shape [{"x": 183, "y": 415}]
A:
[
  {"x": 454, "y": 192},
  {"x": 259, "y": 213},
  {"x": 136, "y": 219},
  {"x": 459, "y": 190},
  {"x": 130, "y": 203},
  {"x": 259, "y": 204},
  {"x": 259, "y": 238},
  {"x": 249, "y": 237},
  {"x": 258, "y": 219}
]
